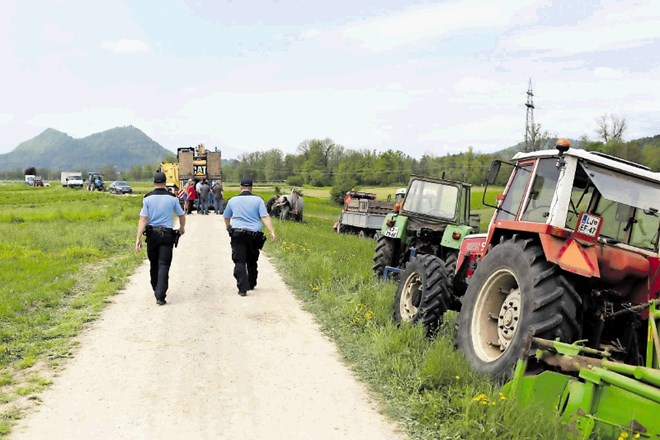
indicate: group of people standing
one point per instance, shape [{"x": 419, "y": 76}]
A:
[
  {"x": 243, "y": 217},
  {"x": 200, "y": 192}
]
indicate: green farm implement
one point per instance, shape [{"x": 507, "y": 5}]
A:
[{"x": 596, "y": 396}]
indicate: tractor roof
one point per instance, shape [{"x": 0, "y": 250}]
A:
[{"x": 604, "y": 160}]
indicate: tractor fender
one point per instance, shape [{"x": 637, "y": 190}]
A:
[
  {"x": 570, "y": 255},
  {"x": 472, "y": 249},
  {"x": 454, "y": 235},
  {"x": 398, "y": 229}
]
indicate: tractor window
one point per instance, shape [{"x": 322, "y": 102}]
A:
[
  {"x": 624, "y": 188},
  {"x": 645, "y": 230},
  {"x": 432, "y": 198},
  {"x": 615, "y": 219},
  {"x": 509, "y": 207},
  {"x": 581, "y": 195},
  {"x": 542, "y": 191},
  {"x": 628, "y": 205}
]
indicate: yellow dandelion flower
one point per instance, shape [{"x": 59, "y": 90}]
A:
[
  {"x": 637, "y": 435},
  {"x": 480, "y": 397},
  {"x": 502, "y": 396},
  {"x": 457, "y": 377}
]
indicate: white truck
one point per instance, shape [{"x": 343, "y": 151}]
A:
[{"x": 71, "y": 179}]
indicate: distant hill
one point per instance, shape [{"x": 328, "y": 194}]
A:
[{"x": 123, "y": 147}]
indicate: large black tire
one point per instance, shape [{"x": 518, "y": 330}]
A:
[
  {"x": 515, "y": 294},
  {"x": 450, "y": 268},
  {"x": 384, "y": 255},
  {"x": 422, "y": 293}
]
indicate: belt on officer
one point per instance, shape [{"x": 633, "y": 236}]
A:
[
  {"x": 160, "y": 228},
  {"x": 248, "y": 232}
]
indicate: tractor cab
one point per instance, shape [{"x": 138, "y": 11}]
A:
[
  {"x": 554, "y": 190},
  {"x": 596, "y": 216}
]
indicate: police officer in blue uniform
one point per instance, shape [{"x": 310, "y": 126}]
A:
[
  {"x": 243, "y": 216},
  {"x": 157, "y": 224}
]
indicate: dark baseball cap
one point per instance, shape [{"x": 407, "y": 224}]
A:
[
  {"x": 246, "y": 181},
  {"x": 160, "y": 178}
]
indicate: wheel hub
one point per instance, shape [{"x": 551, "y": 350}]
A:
[
  {"x": 509, "y": 316},
  {"x": 411, "y": 297}
]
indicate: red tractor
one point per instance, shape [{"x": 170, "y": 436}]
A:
[{"x": 571, "y": 254}]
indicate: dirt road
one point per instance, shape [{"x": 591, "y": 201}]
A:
[{"x": 208, "y": 365}]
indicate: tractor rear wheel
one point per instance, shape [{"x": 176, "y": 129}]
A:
[
  {"x": 423, "y": 292},
  {"x": 514, "y": 295},
  {"x": 384, "y": 255}
]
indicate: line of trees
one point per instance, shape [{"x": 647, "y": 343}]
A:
[
  {"x": 322, "y": 162},
  {"x": 136, "y": 173}
]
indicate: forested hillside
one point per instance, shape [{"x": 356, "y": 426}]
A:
[{"x": 117, "y": 149}]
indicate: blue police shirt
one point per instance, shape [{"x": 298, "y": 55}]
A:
[
  {"x": 158, "y": 206},
  {"x": 245, "y": 212}
]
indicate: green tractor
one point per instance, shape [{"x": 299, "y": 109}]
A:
[{"x": 422, "y": 239}]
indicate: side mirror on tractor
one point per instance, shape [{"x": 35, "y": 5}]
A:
[{"x": 493, "y": 171}]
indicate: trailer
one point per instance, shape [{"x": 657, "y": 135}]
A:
[{"x": 363, "y": 215}]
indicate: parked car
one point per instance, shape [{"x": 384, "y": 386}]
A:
[{"x": 120, "y": 187}]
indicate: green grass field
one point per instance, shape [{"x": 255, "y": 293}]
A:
[{"x": 65, "y": 251}]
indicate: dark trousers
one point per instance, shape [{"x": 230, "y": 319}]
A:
[
  {"x": 159, "y": 251},
  {"x": 244, "y": 254}
]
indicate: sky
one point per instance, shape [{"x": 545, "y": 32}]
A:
[{"x": 422, "y": 77}]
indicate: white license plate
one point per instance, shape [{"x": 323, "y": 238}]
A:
[
  {"x": 589, "y": 224},
  {"x": 392, "y": 232}
]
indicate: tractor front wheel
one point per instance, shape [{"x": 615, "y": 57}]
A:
[
  {"x": 423, "y": 292},
  {"x": 384, "y": 255},
  {"x": 514, "y": 295}
]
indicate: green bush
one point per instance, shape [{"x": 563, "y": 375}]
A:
[{"x": 295, "y": 181}]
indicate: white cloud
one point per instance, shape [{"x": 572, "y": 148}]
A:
[
  {"x": 125, "y": 45},
  {"x": 6, "y": 118},
  {"x": 284, "y": 119},
  {"x": 615, "y": 26},
  {"x": 492, "y": 130},
  {"x": 607, "y": 73},
  {"x": 477, "y": 85},
  {"x": 421, "y": 23},
  {"x": 310, "y": 33}
]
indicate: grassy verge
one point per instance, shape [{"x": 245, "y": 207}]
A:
[
  {"x": 423, "y": 383},
  {"x": 62, "y": 254}
]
